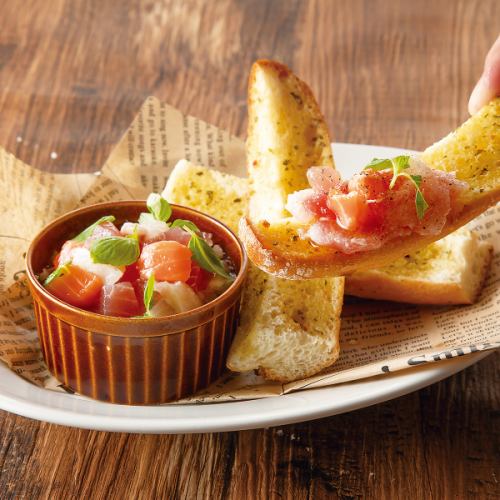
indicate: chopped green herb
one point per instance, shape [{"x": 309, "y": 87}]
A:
[
  {"x": 159, "y": 207},
  {"x": 399, "y": 164},
  {"x": 59, "y": 271},
  {"x": 185, "y": 223},
  {"x": 420, "y": 202},
  {"x": 205, "y": 256},
  {"x": 115, "y": 250},
  {"x": 86, "y": 233},
  {"x": 379, "y": 164},
  {"x": 148, "y": 294}
]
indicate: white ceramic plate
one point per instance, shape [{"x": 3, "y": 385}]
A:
[{"x": 23, "y": 398}]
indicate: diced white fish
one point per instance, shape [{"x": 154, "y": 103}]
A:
[
  {"x": 148, "y": 227},
  {"x": 179, "y": 296},
  {"x": 297, "y": 205},
  {"x": 218, "y": 251},
  {"x": 328, "y": 233},
  {"x": 176, "y": 234},
  {"x": 161, "y": 308},
  {"x": 80, "y": 256}
]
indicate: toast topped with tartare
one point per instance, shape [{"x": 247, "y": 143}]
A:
[{"x": 305, "y": 222}]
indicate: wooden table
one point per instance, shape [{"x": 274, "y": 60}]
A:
[{"x": 72, "y": 76}]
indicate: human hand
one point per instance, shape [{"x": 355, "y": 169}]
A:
[{"x": 488, "y": 85}]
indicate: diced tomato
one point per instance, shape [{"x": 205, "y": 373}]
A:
[
  {"x": 199, "y": 278},
  {"x": 139, "y": 286},
  {"x": 372, "y": 185},
  {"x": 131, "y": 273},
  {"x": 119, "y": 300},
  {"x": 76, "y": 287},
  {"x": 167, "y": 260}
]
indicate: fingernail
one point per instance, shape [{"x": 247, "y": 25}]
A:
[{"x": 481, "y": 95}]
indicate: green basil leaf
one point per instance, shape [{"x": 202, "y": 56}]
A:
[
  {"x": 420, "y": 204},
  {"x": 379, "y": 164},
  {"x": 205, "y": 256},
  {"x": 400, "y": 163},
  {"x": 59, "y": 271},
  {"x": 115, "y": 250},
  {"x": 185, "y": 223},
  {"x": 417, "y": 179},
  {"x": 135, "y": 234},
  {"x": 159, "y": 207},
  {"x": 148, "y": 293},
  {"x": 86, "y": 233}
]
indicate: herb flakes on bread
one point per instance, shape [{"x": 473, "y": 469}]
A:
[
  {"x": 449, "y": 271},
  {"x": 288, "y": 329},
  {"x": 275, "y": 241}
]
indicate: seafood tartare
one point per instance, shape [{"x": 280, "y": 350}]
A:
[
  {"x": 151, "y": 267},
  {"x": 390, "y": 198}
]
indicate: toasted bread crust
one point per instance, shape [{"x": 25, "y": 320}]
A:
[
  {"x": 286, "y": 135},
  {"x": 450, "y": 271},
  {"x": 380, "y": 286},
  {"x": 305, "y": 94},
  {"x": 318, "y": 262}
]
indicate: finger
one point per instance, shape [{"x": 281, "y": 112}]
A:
[{"x": 488, "y": 85}]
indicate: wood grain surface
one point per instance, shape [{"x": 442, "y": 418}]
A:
[{"x": 72, "y": 76}]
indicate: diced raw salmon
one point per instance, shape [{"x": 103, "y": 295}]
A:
[
  {"x": 167, "y": 260},
  {"x": 76, "y": 287}
]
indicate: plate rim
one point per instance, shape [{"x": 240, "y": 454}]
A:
[{"x": 422, "y": 376}]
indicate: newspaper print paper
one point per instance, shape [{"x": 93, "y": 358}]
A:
[{"x": 376, "y": 338}]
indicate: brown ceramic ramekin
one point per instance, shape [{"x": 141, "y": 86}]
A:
[{"x": 129, "y": 360}]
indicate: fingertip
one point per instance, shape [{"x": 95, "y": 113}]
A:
[{"x": 481, "y": 95}]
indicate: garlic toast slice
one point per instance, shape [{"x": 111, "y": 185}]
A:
[
  {"x": 449, "y": 271},
  {"x": 287, "y": 134},
  {"x": 288, "y": 330},
  {"x": 278, "y": 137}
]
